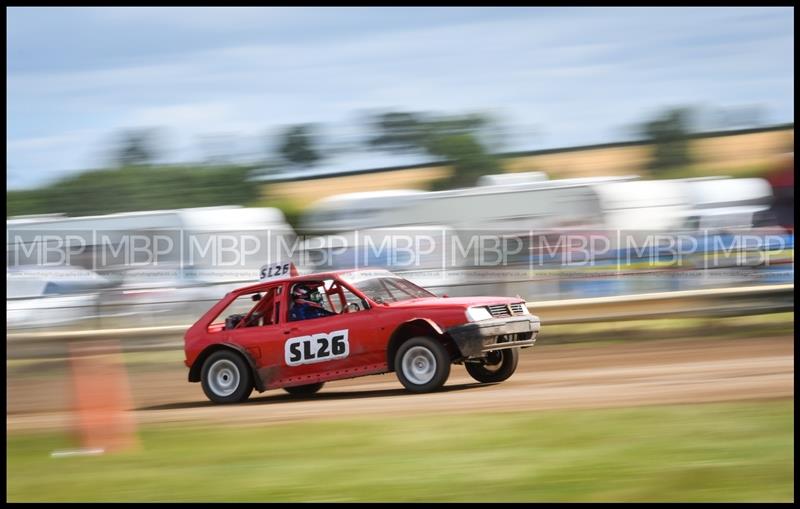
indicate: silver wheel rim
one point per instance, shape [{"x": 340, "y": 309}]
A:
[
  {"x": 223, "y": 377},
  {"x": 419, "y": 365}
]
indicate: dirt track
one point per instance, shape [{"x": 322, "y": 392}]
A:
[{"x": 549, "y": 377}]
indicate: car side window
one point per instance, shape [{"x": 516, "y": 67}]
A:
[
  {"x": 352, "y": 302},
  {"x": 263, "y": 312},
  {"x": 343, "y": 300},
  {"x": 318, "y": 299},
  {"x": 328, "y": 298},
  {"x": 331, "y": 296},
  {"x": 309, "y": 300},
  {"x": 254, "y": 309}
]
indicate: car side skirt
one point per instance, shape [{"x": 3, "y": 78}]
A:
[{"x": 268, "y": 374}]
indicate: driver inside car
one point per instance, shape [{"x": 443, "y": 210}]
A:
[{"x": 307, "y": 303}]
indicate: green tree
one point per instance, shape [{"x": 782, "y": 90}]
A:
[
  {"x": 136, "y": 148},
  {"x": 151, "y": 188},
  {"x": 455, "y": 139},
  {"x": 297, "y": 146},
  {"x": 670, "y": 134}
]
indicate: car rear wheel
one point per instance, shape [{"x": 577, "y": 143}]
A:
[
  {"x": 226, "y": 377},
  {"x": 422, "y": 364},
  {"x": 498, "y": 366},
  {"x": 304, "y": 390}
]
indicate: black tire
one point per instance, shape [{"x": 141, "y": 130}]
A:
[
  {"x": 434, "y": 362},
  {"x": 222, "y": 369},
  {"x": 499, "y": 365},
  {"x": 304, "y": 390}
]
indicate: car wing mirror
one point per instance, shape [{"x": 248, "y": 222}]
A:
[{"x": 256, "y": 297}]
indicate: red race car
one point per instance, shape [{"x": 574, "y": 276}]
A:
[{"x": 298, "y": 332}]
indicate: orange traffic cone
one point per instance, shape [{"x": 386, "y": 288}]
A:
[{"x": 102, "y": 398}]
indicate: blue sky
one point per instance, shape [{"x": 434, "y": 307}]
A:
[{"x": 551, "y": 76}]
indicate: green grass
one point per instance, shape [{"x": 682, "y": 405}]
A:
[{"x": 709, "y": 452}]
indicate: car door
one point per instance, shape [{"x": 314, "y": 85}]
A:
[
  {"x": 326, "y": 347},
  {"x": 257, "y": 323}
]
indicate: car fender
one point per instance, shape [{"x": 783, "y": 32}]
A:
[
  {"x": 408, "y": 328},
  {"x": 197, "y": 366}
]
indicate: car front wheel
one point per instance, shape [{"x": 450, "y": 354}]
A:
[
  {"x": 498, "y": 366},
  {"x": 226, "y": 377},
  {"x": 422, "y": 364}
]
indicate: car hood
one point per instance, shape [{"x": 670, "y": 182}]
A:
[{"x": 464, "y": 302}]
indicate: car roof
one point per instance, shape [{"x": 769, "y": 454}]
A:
[{"x": 305, "y": 277}]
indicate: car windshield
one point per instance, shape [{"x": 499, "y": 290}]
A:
[{"x": 390, "y": 289}]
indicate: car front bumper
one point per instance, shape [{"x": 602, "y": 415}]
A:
[{"x": 476, "y": 338}]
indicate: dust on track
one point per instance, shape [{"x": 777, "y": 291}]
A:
[{"x": 548, "y": 377}]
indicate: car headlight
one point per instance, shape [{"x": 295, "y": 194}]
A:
[{"x": 478, "y": 314}]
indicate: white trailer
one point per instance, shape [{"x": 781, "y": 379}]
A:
[
  {"x": 205, "y": 237},
  {"x": 726, "y": 203},
  {"x": 512, "y": 206}
]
